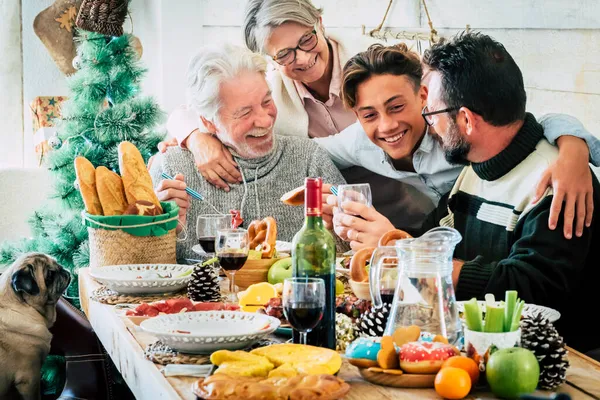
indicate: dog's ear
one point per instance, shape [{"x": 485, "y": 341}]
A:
[{"x": 23, "y": 281}]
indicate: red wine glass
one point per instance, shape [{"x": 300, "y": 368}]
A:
[
  {"x": 207, "y": 226},
  {"x": 231, "y": 247},
  {"x": 304, "y": 303}
]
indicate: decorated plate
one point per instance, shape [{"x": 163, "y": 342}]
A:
[
  {"x": 529, "y": 310},
  {"x": 144, "y": 278},
  {"x": 202, "y": 332}
]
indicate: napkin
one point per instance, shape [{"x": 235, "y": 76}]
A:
[{"x": 199, "y": 371}]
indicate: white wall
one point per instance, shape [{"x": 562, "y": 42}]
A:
[
  {"x": 11, "y": 78},
  {"x": 556, "y": 43}
]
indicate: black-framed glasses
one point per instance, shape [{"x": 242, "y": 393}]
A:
[
  {"x": 307, "y": 42},
  {"x": 428, "y": 114}
]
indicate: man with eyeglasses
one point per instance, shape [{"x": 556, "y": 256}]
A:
[
  {"x": 506, "y": 242},
  {"x": 394, "y": 137}
]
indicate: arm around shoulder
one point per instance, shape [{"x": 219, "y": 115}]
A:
[
  {"x": 182, "y": 122},
  {"x": 557, "y": 125}
]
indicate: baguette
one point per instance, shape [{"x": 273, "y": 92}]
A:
[
  {"x": 110, "y": 191},
  {"x": 136, "y": 179},
  {"x": 86, "y": 177}
]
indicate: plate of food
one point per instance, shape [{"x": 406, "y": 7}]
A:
[
  {"x": 202, "y": 332},
  {"x": 144, "y": 278},
  {"x": 137, "y": 313},
  {"x": 529, "y": 310}
]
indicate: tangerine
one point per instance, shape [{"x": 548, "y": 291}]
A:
[
  {"x": 452, "y": 383},
  {"x": 466, "y": 363}
]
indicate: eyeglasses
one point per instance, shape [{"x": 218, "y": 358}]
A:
[
  {"x": 427, "y": 114},
  {"x": 306, "y": 43}
]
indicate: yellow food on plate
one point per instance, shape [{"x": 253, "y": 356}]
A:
[
  {"x": 240, "y": 363},
  {"x": 256, "y": 296},
  {"x": 304, "y": 359},
  {"x": 283, "y": 371}
]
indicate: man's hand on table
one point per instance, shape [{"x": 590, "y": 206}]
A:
[
  {"x": 174, "y": 190},
  {"x": 359, "y": 224}
]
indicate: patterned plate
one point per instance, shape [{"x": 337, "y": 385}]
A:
[
  {"x": 529, "y": 310},
  {"x": 202, "y": 332},
  {"x": 143, "y": 278}
]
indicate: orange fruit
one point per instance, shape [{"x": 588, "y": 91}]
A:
[
  {"x": 466, "y": 363},
  {"x": 452, "y": 383}
]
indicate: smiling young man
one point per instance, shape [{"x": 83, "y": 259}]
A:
[
  {"x": 383, "y": 86},
  {"x": 506, "y": 241}
]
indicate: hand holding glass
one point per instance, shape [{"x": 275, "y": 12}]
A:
[
  {"x": 304, "y": 303},
  {"x": 232, "y": 250},
  {"x": 359, "y": 193},
  {"x": 206, "y": 229}
]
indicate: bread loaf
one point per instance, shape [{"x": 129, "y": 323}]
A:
[
  {"x": 136, "y": 179},
  {"x": 110, "y": 191},
  {"x": 86, "y": 177},
  {"x": 142, "y": 207}
]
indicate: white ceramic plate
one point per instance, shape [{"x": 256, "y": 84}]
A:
[
  {"x": 529, "y": 310},
  {"x": 143, "y": 278},
  {"x": 202, "y": 332},
  {"x": 280, "y": 246}
]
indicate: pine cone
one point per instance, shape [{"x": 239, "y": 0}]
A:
[
  {"x": 541, "y": 337},
  {"x": 204, "y": 284},
  {"x": 373, "y": 323},
  {"x": 345, "y": 331}
]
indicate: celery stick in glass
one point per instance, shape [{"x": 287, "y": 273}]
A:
[
  {"x": 516, "y": 321},
  {"x": 511, "y": 302},
  {"x": 473, "y": 315},
  {"x": 494, "y": 318}
]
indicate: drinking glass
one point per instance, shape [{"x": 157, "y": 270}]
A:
[
  {"x": 232, "y": 251},
  {"x": 207, "y": 226},
  {"x": 359, "y": 193},
  {"x": 304, "y": 303}
]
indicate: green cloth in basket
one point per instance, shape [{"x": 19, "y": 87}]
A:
[{"x": 128, "y": 222}]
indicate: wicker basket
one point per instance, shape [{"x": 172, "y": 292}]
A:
[{"x": 254, "y": 271}]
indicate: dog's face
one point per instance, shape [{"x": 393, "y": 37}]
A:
[{"x": 39, "y": 281}]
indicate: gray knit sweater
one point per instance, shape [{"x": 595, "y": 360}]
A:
[{"x": 266, "y": 179}]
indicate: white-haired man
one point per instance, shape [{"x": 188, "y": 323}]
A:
[{"x": 227, "y": 88}]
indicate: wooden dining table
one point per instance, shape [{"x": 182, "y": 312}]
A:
[{"x": 125, "y": 343}]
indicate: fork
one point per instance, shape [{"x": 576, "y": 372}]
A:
[{"x": 193, "y": 193}]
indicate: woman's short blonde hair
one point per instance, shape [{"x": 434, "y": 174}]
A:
[{"x": 263, "y": 15}]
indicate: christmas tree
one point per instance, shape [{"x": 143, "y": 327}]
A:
[{"x": 104, "y": 109}]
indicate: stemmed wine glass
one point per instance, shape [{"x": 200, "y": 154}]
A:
[
  {"x": 304, "y": 303},
  {"x": 232, "y": 250},
  {"x": 206, "y": 230}
]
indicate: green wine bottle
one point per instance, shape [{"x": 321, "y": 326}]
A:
[{"x": 313, "y": 255}]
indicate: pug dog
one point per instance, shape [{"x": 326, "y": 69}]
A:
[{"x": 29, "y": 291}]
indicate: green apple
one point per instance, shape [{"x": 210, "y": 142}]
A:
[
  {"x": 512, "y": 372},
  {"x": 280, "y": 270},
  {"x": 339, "y": 287}
]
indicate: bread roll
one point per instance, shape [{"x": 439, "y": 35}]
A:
[
  {"x": 110, "y": 191},
  {"x": 86, "y": 176},
  {"x": 136, "y": 179}
]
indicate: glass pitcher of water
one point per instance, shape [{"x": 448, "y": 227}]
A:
[{"x": 424, "y": 294}]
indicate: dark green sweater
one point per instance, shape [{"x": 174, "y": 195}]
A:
[{"x": 508, "y": 244}]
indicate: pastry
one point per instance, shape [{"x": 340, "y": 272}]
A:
[
  {"x": 294, "y": 197},
  {"x": 301, "y": 387},
  {"x": 407, "y": 334},
  {"x": 110, "y": 191},
  {"x": 389, "y": 237},
  {"x": 86, "y": 177},
  {"x": 425, "y": 358},
  {"x": 387, "y": 357},
  {"x": 240, "y": 363},
  {"x": 358, "y": 271},
  {"x": 263, "y": 233},
  {"x": 363, "y": 352},
  {"x": 136, "y": 179},
  {"x": 142, "y": 207},
  {"x": 309, "y": 360}
]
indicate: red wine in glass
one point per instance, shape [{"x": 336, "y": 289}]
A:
[
  {"x": 207, "y": 243},
  {"x": 304, "y": 317},
  {"x": 232, "y": 261}
]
